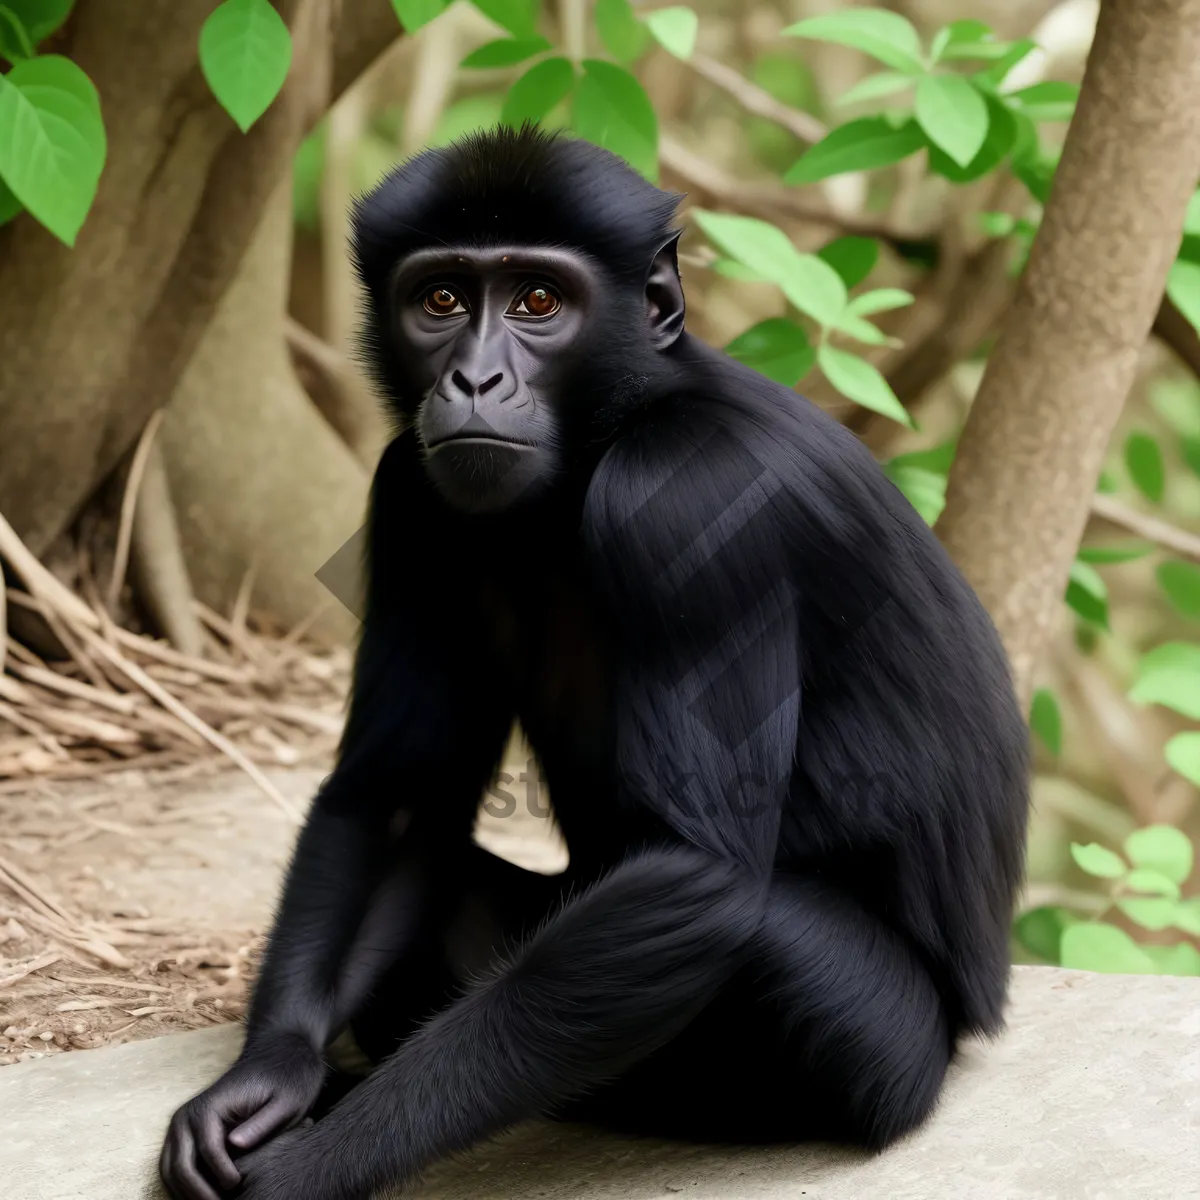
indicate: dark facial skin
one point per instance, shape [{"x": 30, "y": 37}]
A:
[{"x": 490, "y": 335}]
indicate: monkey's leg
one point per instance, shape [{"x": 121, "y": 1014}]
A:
[{"x": 832, "y": 1031}]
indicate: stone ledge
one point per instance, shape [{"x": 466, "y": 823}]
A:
[{"x": 1092, "y": 1094}]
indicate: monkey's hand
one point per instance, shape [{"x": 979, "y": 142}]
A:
[{"x": 269, "y": 1089}]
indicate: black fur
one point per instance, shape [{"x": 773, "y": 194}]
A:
[{"x": 777, "y": 727}]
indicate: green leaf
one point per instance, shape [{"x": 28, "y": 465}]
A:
[
  {"x": 876, "y": 87},
  {"x": 1177, "y": 401},
  {"x": 1190, "y": 449},
  {"x": 776, "y": 348},
  {"x": 245, "y": 53},
  {"x": 543, "y": 86},
  {"x": 1191, "y": 219},
  {"x": 413, "y": 14},
  {"x": 862, "y": 145},
  {"x": 995, "y": 75},
  {"x": 862, "y": 330},
  {"x": 1036, "y": 172},
  {"x": 953, "y": 114},
  {"x": 1149, "y": 912},
  {"x": 37, "y": 20},
  {"x": 1126, "y": 552},
  {"x": 730, "y": 268},
  {"x": 957, "y": 33},
  {"x": 1183, "y": 287},
  {"x": 997, "y": 224},
  {"x": 1098, "y": 861},
  {"x": 519, "y": 17},
  {"x": 814, "y": 287},
  {"x": 623, "y": 35},
  {"x": 938, "y": 458},
  {"x": 1001, "y": 136},
  {"x": 1181, "y": 583},
  {"x": 1170, "y": 675},
  {"x": 1180, "y": 959},
  {"x": 853, "y": 258},
  {"x": 1087, "y": 594},
  {"x": 1045, "y": 719},
  {"x": 1161, "y": 848},
  {"x": 1096, "y": 946},
  {"x": 879, "y": 300},
  {"x": 1145, "y": 879},
  {"x": 924, "y": 490},
  {"x": 675, "y": 29},
  {"x": 1187, "y": 916},
  {"x": 859, "y": 381},
  {"x": 1040, "y": 931},
  {"x": 10, "y": 206},
  {"x": 308, "y": 167},
  {"x": 884, "y": 35},
  {"x": 1144, "y": 462},
  {"x": 612, "y": 110},
  {"x": 988, "y": 51},
  {"x": 758, "y": 244},
  {"x": 15, "y": 42},
  {"x": 505, "y": 52},
  {"x": 1053, "y": 100},
  {"x": 811, "y": 284},
  {"x": 1182, "y": 753},
  {"x": 52, "y": 141}
]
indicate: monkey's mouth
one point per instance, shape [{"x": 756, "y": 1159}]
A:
[{"x": 466, "y": 440}]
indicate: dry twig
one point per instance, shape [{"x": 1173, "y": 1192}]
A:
[{"x": 1152, "y": 528}]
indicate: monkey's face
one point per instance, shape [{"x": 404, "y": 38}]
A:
[{"x": 490, "y": 339}]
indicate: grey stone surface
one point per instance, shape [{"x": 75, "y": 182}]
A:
[{"x": 1092, "y": 1094}]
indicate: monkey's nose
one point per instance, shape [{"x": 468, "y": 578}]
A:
[{"x": 465, "y": 386}]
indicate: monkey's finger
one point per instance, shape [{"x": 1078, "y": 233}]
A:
[
  {"x": 186, "y": 1181},
  {"x": 269, "y": 1119},
  {"x": 209, "y": 1132}
]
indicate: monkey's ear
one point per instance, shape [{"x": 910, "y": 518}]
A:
[{"x": 664, "y": 296}]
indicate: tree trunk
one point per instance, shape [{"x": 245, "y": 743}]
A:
[
  {"x": 1027, "y": 464},
  {"x": 260, "y": 480},
  {"x": 94, "y": 339}
]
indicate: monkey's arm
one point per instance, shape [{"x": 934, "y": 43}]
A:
[{"x": 421, "y": 740}]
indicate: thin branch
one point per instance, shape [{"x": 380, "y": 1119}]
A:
[
  {"x": 572, "y": 23},
  {"x": 240, "y": 613},
  {"x": 1176, "y": 332},
  {"x": 160, "y": 569},
  {"x": 1151, "y": 528},
  {"x": 776, "y": 201},
  {"x": 157, "y": 692},
  {"x": 338, "y": 390},
  {"x": 803, "y": 126},
  {"x": 129, "y": 502},
  {"x": 40, "y": 582}
]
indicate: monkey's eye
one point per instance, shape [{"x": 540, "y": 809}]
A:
[
  {"x": 442, "y": 302},
  {"x": 535, "y": 301}
]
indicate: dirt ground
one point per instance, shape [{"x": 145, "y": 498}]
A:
[{"x": 135, "y": 904}]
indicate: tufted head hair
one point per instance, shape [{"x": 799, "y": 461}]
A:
[{"x": 523, "y": 187}]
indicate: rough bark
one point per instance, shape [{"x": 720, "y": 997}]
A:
[
  {"x": 258, "y": 477},
  {"x": 94, "y": 338},
  {"x": 1022, "y": 483}
]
